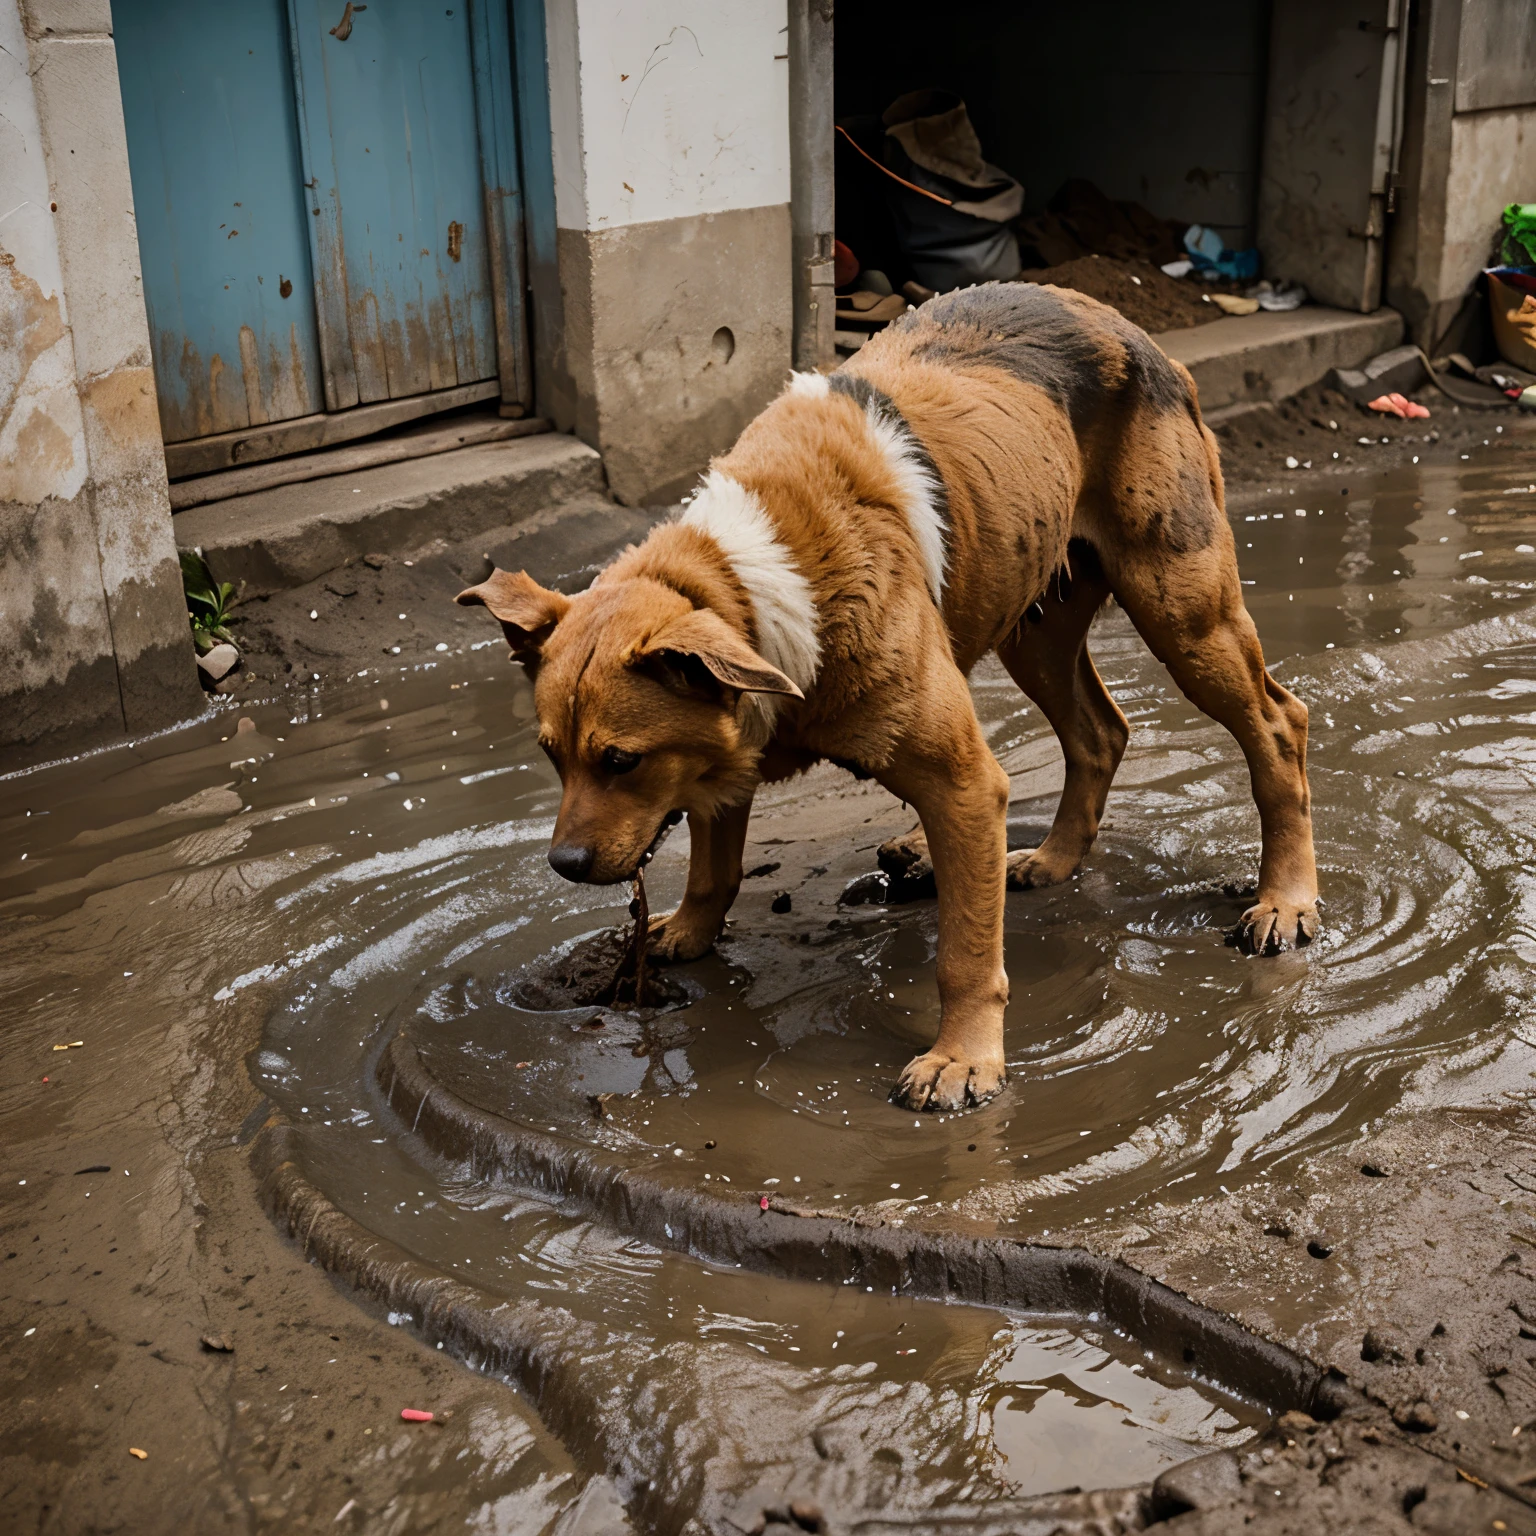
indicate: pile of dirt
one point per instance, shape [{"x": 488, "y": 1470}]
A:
[
  {"x": 1143, "y": 293},
  {"x": 1081, "y": 221}
]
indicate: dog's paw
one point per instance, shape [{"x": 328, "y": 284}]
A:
[
  {"x": 1031, "y": 868},
  {"x": 937, "y": 1080},
  {"x": 1268, "y": 927},
  {"x": 677, "y": 937},
  {"x": 906, "y": 858}
]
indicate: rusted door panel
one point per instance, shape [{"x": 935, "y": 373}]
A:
[
  {"x": 387, "y": 116},
  {"x": 214, "y": 157}
]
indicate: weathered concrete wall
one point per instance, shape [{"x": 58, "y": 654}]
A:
[
  {"x": 670, "y": 125},
  {"x": 1493, "y": 164},
  {"x": 1469, "y": 148},
  {"x": 93, "y": 634}
]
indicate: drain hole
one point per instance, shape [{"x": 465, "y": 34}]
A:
[{"x": 723, "y": 344}]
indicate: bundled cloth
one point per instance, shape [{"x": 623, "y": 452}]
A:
[{"x": 950, "y": 208}]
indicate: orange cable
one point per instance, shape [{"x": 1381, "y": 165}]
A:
[{"x": 947, "y": 202}]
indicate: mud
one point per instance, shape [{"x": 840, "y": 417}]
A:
[
  {"x": 1140, "y": 290},
  {"x": 262, "y": 926},
  {"x": 1335, "y": 442}
]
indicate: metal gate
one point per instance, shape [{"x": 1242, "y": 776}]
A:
[{"x": 329, "y": 212}]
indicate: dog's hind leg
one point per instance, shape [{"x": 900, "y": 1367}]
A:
[
  {"x": 714, "y": 878},
  {"x": 1177, "y": 579},
  {"x": 1049, "y": 660}
]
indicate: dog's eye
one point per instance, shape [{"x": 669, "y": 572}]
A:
[{"x": 617, "y": 760}]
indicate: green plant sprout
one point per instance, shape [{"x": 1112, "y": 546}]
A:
[{"x": 208, "y": 602}]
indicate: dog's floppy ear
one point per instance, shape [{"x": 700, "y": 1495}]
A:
[
  {"x": 528, "y": 612},
  {"x": 700, "y": 653}
]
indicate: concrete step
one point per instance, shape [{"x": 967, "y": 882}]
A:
[
  {"x": 282, "y": 537},
  {"x": 1249, "y": 358}
]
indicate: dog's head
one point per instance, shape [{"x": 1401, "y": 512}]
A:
[{"x": 639, "y": 697}]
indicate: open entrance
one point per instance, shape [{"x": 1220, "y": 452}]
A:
[{"x": 1170, "y": 164}]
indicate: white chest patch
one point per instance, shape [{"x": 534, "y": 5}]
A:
[
  {"x": 919, "y": 494},
  {"x": 782, "y": 604}
]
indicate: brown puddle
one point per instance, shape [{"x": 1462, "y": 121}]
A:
[{"x": 382, "y": 869}]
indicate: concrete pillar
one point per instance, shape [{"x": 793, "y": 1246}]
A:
[
  {"x": 93, "y": 627},
  {"x": 812, "y": 181},
  {"x": 670, "y": 136}
]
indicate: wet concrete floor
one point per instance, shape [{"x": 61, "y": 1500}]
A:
[{"x": 370, "y": 859}]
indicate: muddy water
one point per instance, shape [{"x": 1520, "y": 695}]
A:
[{"x": 382, "y": 842}]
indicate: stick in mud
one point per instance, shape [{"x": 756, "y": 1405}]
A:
[{"x": 634, "y": 957}]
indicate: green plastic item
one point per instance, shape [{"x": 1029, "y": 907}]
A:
[{"x": 1520, "y": 235}]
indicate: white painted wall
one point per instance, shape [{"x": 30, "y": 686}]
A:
[{"x": 665, "y": 109}]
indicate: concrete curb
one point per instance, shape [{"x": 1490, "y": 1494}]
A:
[
  {"x": 1259, "y": 357},
  {"x": 283, "y": 537},
  {"x": 810, "y": 1245},
  {"x": 544, "y": 1351}
]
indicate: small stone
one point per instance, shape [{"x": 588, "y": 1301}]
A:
[
  {"x": 222, "y": 659},
  {"x": 217, "y": 1344},
  {"x": 1206, "y": 1482},
  {"x": 782, "y": 901},
  {"x": 1418, "y": 1416},
  {"x": 1296, "y": 1422},
  {"x": 375, "y": 562},
  {"x": 806, "y": 1514},
  {"x": 1380, "y": 1349}
]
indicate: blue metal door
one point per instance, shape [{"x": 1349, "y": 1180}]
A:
[
  {"x": 386, "y": 108},
  {"x": 329, "y": 204},
  {"x": 223, "y": 238}
]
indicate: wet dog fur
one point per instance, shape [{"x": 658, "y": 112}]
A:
[{"x": 981, "y": 477}]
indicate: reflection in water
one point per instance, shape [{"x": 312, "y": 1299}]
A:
[{"x": 351, "y": 869}]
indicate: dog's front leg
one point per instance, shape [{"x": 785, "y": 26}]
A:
[
  {"x": 960, "y": 792},
  {"x": 714, "y": 877}
]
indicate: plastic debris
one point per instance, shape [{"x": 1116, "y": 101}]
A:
[
  {"x": 1520, "y": 233},
  {"x": 72, "y": 1045},
  {"x": 1277, "y": 298},
  {"x": 415, "y": 1416},
  {"x": 1399, "y": 405},
  {"x": 762, "y": 1203},
  {"x": 1210, "y": 254}
]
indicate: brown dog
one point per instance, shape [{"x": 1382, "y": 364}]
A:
[{"x": 980, "y": 477}]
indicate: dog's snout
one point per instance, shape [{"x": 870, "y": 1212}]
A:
[{"x": 571, "y": 860}]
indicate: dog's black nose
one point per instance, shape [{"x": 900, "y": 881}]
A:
[{"x": 570, "y": 860}]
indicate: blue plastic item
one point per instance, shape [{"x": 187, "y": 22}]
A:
[{"x": 1210, "y": 254}]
